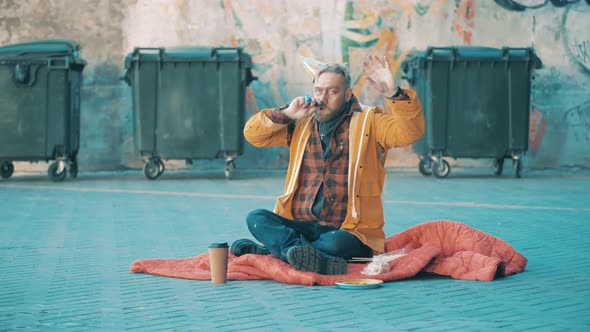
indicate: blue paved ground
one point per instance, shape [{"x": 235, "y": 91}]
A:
[{"x": 65, "y": 251}]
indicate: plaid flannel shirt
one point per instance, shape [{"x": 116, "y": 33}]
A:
[{"x": 333, "y": 173}]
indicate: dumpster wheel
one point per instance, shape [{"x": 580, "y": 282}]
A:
[
  {"x": 6, "y": 169},
  {"x": 498, "y": 166},
  {"x": 517, "y": 166},
  {"x": 441, "y": 168},
  {"x": 55, "y": 174},
  {"x": 230, "y": 165},
  {"x": 425, "y": 166},
  {"x": 161, "y": 167},
  {"x": 151, "y": 168}
]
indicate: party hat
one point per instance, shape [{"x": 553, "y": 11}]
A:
[{"x": 312, "y": 66}]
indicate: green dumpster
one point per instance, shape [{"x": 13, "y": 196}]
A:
[
  {"x": 40, "y": 105},
  {"x": 476, "y": 102},
  {"x": 188, "y": 103}
]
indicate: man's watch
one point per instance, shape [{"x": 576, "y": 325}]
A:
[{"x": 399, "y": 92}]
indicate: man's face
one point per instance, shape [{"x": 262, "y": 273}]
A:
[{"x": 331, "y": 93}]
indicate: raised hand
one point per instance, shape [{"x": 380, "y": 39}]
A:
[
  {"x": 299, "y": 108},
  {"x": 379, "y": 75}
]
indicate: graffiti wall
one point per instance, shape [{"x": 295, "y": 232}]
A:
[{"x": 278, "y": 33}]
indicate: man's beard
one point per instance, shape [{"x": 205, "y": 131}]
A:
[{"x": 333, "y": 115}]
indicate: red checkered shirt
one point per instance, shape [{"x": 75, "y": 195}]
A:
[{"x": 333, "y": 173}]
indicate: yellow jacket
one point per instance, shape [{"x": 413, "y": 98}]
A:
[{"x": 372, "y": 133}]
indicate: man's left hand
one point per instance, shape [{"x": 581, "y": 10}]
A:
[{"x": 379, "y": 75}]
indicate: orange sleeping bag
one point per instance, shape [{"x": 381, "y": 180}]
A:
[{"x": 443, "y": 247}]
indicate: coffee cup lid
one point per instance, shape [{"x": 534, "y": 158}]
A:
[{"x": 219, "y": 245}]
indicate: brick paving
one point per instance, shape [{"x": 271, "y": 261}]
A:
[{"x": 66, "y": 248}]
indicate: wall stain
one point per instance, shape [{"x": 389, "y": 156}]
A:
[
  {"x": 537, "y": 130},
  {"x": 463, "y": 23},
  {"x": 8, "y": 25},
  {"x": 8, "y": 4}
]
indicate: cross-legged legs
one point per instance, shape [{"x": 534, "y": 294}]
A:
[{"x": 307, "y": 246}]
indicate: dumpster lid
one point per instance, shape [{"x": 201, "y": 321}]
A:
[
  {"x": 44, "y": 47},
  {"x": 465, "y": 52},
  {"x": 479, "y": 53},
  {"x": 190, "y": 51},
  {"x": 182, "y": 53},
  {"x": 200, "y": 51}
]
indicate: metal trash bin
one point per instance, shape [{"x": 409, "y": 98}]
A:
[
  {"x": 476, "y": 102},
  {"x": 40, "y": 105},
  {"x": 188, "y": 103}
]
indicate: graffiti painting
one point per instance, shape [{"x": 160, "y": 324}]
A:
[
  {"x": 576, "y": 32},
  {"x": 578, "y": 119}
]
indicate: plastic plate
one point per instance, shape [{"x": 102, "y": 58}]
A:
[{"x": 359, "y": 283}]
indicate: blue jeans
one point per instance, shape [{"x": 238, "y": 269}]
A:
[{"x": 278, "y": 234}]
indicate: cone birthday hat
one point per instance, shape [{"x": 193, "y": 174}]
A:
[{"x": 312, "y": 66}]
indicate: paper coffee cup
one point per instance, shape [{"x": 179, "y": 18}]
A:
[{"x": 218, "y": 262}]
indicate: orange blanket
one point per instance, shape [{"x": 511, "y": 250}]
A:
[{"x": 443, "y": 247}]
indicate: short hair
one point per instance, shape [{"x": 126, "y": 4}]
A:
[{"x": 337, "y": 69}]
